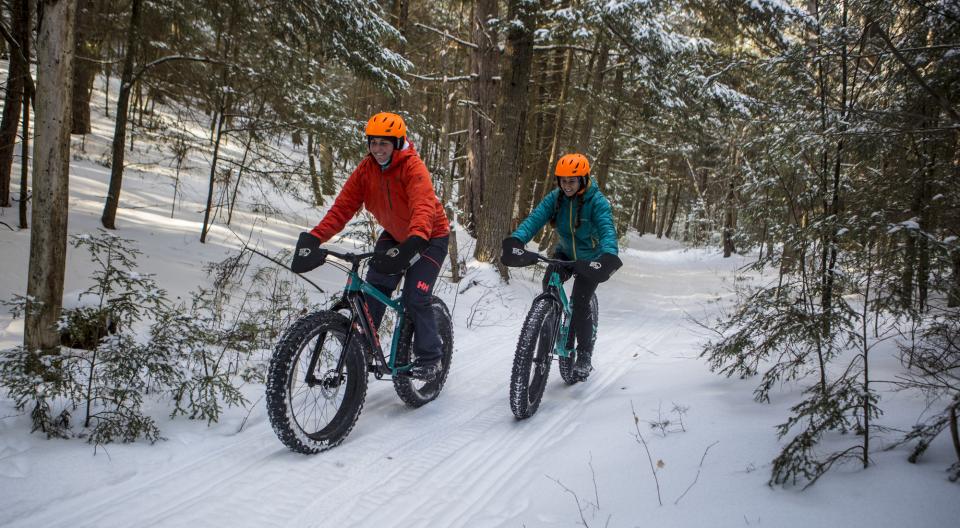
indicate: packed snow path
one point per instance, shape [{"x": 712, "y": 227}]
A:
[{"x": 463, "y": 460}]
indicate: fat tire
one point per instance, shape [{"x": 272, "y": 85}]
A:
[
  {"x": 531, "y": 361},
  {"x": 567, "y": 372},
  {"x": 417, "y": 393},
  {"x": 296, "y": 340}
]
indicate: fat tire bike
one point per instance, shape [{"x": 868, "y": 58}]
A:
[
  {"x": 544, "y": 334},
  {"x": 317, "y": 378}
]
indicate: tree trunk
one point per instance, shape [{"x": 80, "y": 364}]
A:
[
  {"x": 221, "y": 117},
  {"x": 16, "y": 80},
  {"x": 314, "y": 176},
  {"x": 596, "y": 89},
  {"x": 84, "y": 71},
  {"x": 729, "y": 217},
  {"x": 446, "y": 155},
  {"x": 401, "y": 9},
  {"x": 500, "y": 187},
  {"x": 24, "y": 162},
  {"x": 51, "y": 169},
  {"x": 326, "y": 170},
  {"x": 605, "y": 158},
  {"x": 673, "y": 214},
  {"x": 531, "y": 178},
  {"x": 480, "y": 125},
  {"x": 109, "y": 217}
]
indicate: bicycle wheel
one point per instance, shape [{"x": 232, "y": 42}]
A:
[
  {"x": 414, "y": 392},
  {"x": 567, "y": 363},
  {"x": 312, "y": 410},
  {"x": 531, "y": 362}
]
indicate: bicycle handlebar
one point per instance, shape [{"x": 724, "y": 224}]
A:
[
  {"x": 562, "y": 263},
  {"x": 353, "y": 258}
]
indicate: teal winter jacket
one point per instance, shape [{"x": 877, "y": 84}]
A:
[{"x": 595, "y": 235}]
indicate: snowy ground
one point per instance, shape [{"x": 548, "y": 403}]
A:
[{"x": 462, "y": 460}]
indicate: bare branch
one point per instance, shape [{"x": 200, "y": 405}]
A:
[
  {"x": 641, "y": 440},
  {"x": 458, "y": 40},
  {"x": 702, "y": 458}
]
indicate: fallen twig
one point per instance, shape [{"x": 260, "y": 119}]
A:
[
  {"x": 702, "y": 458},
  {"x": 641, "y": 440}
]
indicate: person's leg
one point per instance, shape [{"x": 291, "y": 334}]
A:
[
  {"x": 582, "y": 324},
  {"x": 384, "y": 283},
  {"x": 417, "y": 292}
]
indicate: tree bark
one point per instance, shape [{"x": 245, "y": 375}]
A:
[
  {"x": 24, "y": 163},
  {"x": 109, "y": 217},
  {"x": 84, "y": 71},
  {"x": 481, "y": 110},
  {"x": 326, "y": 170},
  {"x": 314, "y": 176},
  {"x": 596, "y": 89},
  {"x": 500, "y": 188},
  {"x": 221, "y": 117},
  {"x": 51, "y": 168},
  {"x": 605, "y": 158},
  {"x": 17, "y": 73}
]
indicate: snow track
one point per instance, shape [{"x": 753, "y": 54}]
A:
[
  {"x": 399, "y": 467},
  {"x": 464, "y": 460}
]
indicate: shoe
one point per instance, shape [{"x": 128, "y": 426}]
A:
[
  {"x": 583, "y": 367},
  {"x": 426, "y": 369}
]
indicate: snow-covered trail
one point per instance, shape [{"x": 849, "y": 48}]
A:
[
  {"x": 458, "y": 461},
  {"x": 463, "y": 460}
]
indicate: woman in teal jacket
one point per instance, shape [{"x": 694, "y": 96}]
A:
[{"x": 587, "y": 235}]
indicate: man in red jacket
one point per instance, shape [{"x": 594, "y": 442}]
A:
[{"x": 395, "y": 186}]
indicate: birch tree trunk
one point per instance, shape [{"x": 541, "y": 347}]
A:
[{"x": 51, "y": 168}]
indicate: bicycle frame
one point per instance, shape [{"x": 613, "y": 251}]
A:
[
  {"x": 556, "y": 291},
  {"x": 361, "y": 322}
]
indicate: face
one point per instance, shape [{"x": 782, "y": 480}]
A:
[
  {"x": 570, "y": 185},
  {"x": 381, "y": 149}
]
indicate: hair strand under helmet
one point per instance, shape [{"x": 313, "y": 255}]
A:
[
  {"x": 387, "y": 125},
  {"x": 574, "y": 165}
]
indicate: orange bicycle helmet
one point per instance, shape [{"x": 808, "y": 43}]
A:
[
  {"x": 574, "y": 165},
  {"x": 388, "y": 125}
]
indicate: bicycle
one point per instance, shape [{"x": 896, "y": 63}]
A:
[
  {"x": 317, "y": 379},
  {"x": 543, "y": 335}
]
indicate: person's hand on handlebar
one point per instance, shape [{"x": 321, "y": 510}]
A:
[
  {"x": 308, "y": 255},
  {"x": 599, "y": 269},
  {"x": 514, "y": 255}
]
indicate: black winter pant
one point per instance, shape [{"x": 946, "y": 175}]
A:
[
  {"x": 417, "y": 291},
  {"x": 583, "y": 290}
]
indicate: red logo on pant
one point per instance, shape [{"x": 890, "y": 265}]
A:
[{"x": 423, "y": 286}]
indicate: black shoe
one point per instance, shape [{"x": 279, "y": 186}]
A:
[
  {"x": 425, "y": 369},
  {"x": 583, "y": 367}
]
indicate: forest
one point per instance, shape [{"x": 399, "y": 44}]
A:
[{"x": 823, "y": 138}]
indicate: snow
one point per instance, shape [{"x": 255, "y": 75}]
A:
[{"x": 462, "y": 460}]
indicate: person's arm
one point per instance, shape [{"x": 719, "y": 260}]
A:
[
  {"x": 538, "y": 218},
  {"x": 347, "y": 203},
  {"x": 421, "y": 198},
  {"x": 603, "y": 219}
]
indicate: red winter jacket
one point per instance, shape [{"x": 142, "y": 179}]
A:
[{"x": 401, "y": 198}]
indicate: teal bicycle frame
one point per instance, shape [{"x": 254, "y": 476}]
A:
[
  {"x": 354, "y": 299},
  {"x": 560, "y": 346}
]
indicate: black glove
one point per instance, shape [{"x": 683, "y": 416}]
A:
[
  {"x": 598, "y": 270},
  {"x": 397, "y": 259},
  {"x": 308, "y": 255},
  {"x": 513, "y": 254}
]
